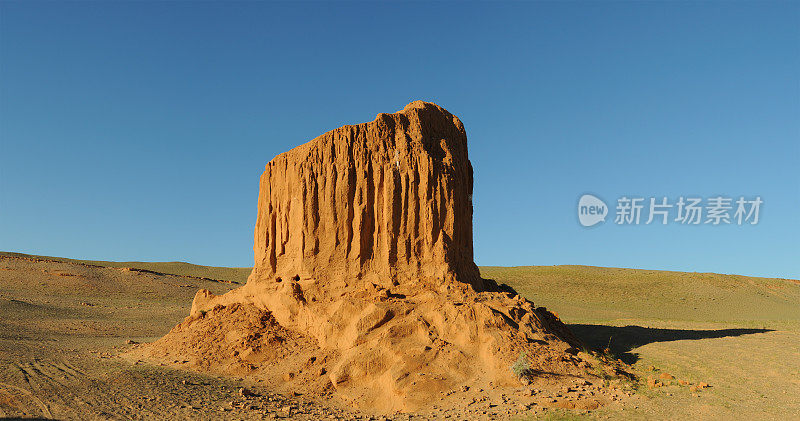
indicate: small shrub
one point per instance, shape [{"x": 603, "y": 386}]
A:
[{"x": 521, "y": 367}]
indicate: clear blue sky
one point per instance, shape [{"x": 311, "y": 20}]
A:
[{"x": 138, "y": 130}]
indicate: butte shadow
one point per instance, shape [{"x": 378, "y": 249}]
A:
[{"x": 621, "y": 340}]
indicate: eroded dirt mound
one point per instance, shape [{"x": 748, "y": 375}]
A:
[
  {"x": 234, "y": 339},
  {"x": 406, "y": 348}
]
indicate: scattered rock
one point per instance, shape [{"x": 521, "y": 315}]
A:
[{"x": 246, "y": 393}]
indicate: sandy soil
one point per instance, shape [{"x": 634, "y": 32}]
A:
[
  {"x": 738, "y": 334},
  {"x": 64, "y": 325}
]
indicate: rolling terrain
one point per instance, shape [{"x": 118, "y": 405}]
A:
[{"x": 64, "y": 322}]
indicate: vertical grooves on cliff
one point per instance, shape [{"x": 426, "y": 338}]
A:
[
  {"x": 389, "y": 198},
  {"x": 349, "y": 206},
  {"x": 368, "y": 217}
]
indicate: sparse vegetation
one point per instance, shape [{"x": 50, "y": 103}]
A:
[
  {"x": 584, "y": 293},
  {"x": 607, "y": 353},
  {"x": 562, "y": 415},
  {"x": 521, "y": 367},
  {"x": 238, "y": 275}
]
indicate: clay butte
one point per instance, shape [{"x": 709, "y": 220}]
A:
[
  {"x": 384, "y": 201},
  {"x": 364, "y": 279}
]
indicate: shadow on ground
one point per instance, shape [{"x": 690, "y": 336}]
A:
[
  {"x": 621, "y": 340},
  {"x": 22, "y": 419}
]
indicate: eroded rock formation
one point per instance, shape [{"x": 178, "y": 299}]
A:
[
  {"x": 389, "y": 200},
  {"x": 364, "y": 281}
]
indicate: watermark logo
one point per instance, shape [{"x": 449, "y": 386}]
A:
[
  {"x": 591, "y": 210},
  {"x": 685, "y": 210}
]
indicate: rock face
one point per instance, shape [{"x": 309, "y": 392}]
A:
[{"x": 386, "y": 201}]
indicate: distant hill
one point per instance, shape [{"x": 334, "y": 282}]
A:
[
  {"x": 587, "y": 293},
  {"x": 599, "y": 293},
  {"x": 238, "y": 275}
]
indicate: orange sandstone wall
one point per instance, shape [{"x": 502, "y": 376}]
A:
[{"x": 384, "y": 201}]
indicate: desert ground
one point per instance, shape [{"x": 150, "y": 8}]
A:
[{"x": 66, "y": 326}]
